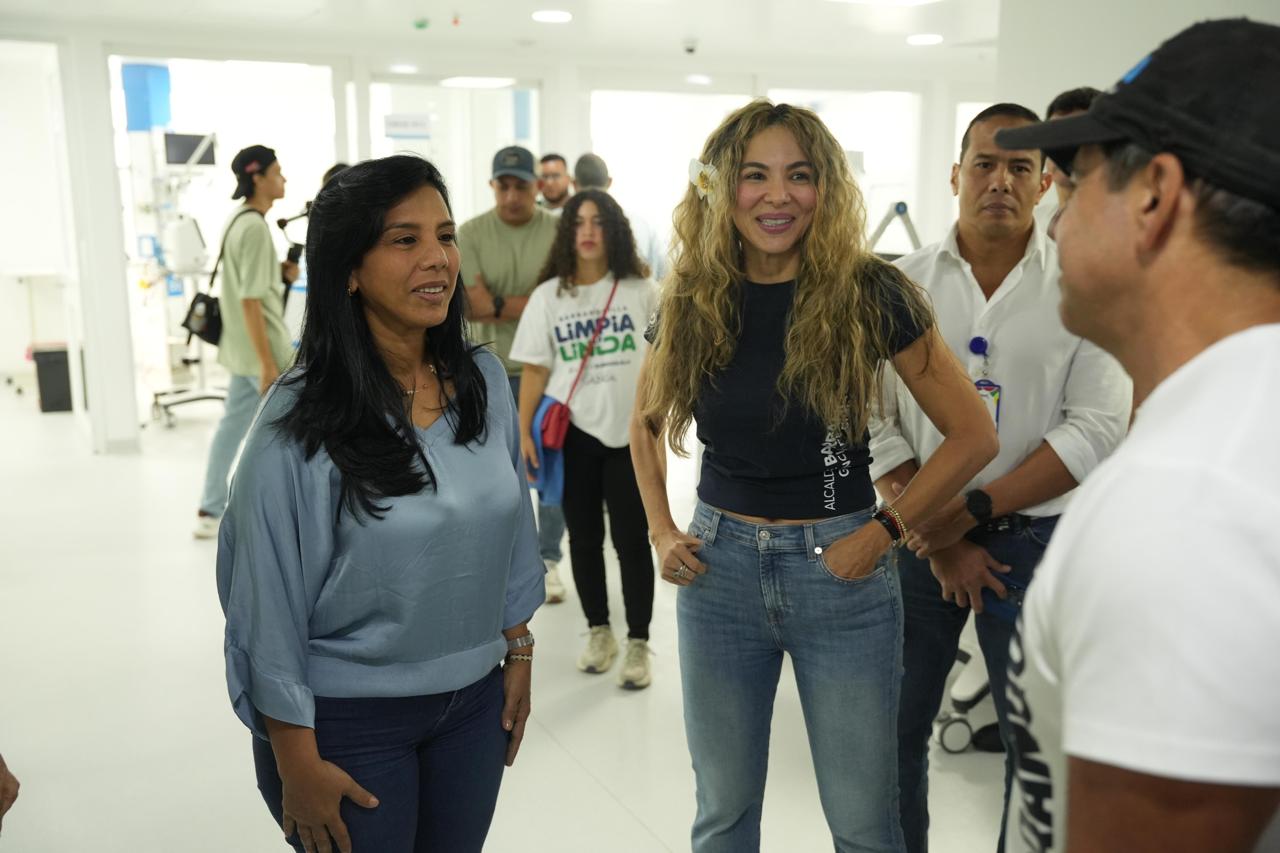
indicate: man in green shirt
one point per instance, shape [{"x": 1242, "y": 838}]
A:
[
  {"x": 503, "y": 250},
  {"x": 255, "y": 346}
]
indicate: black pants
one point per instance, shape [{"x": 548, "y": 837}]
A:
[{"x": 595, "y": 475}]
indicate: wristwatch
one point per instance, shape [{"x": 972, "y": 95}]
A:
[
  {"x": 524, "y": 641},
  {"x": 498, "y": 302},
  {"x": 978, "y": 503}
]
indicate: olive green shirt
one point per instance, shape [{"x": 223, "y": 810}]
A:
[
  {"x": 250, "y": 270},
  {"x": 509, "y": 258}
]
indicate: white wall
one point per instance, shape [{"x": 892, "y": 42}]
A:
[
  {"x": 33, "y": 245},
  {"x": 30, "y": 237},
  {"x": 565, "y": 80},
  {"x": 1046, "y": 48}
]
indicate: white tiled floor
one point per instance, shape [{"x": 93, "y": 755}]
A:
[{"x": 114, "y": 714}]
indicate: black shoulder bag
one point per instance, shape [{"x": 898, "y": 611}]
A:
[{"x": 204, "y": 315}]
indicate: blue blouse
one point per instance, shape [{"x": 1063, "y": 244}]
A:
[{"x": 410, "y": 604}]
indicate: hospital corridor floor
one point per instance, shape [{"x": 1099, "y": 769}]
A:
[{"x": 114, "y": 712}]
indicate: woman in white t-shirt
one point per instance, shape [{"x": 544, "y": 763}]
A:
[{"x": 593, "y": 278}]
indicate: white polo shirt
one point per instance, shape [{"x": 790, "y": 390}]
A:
[
  {"x": 1150, "y": 640},
  {"x": 1053, "y": 386}
]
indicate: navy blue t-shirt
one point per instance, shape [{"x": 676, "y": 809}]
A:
[{"x": 758, "y": 463}]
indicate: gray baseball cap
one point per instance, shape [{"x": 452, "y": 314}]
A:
[{"x": 514, "y": 161}]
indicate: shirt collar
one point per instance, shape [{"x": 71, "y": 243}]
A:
[{"x": 1035, "y": 246}]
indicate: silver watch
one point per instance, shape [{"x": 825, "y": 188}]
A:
[{"x": 524, "y": 641}]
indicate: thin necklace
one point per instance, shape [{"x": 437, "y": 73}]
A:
[{"x": 411, "y": 391}]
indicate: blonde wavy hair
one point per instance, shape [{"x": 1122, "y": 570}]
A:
[{"x": 843, "y": 318}]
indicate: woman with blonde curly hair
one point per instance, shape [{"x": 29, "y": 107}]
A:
[{"x": 771, "y": 334}]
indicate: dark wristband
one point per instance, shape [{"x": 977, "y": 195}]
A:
[{"x": 890, "y": 524}]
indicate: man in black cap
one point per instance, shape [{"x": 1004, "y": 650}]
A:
[
  {"x": 256, "y": 345},
  {"x": 503, "y": 251},
  {"x": 1146, "y": 677}
]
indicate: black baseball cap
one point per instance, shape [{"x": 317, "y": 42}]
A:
[
  {"x": 1207, "y": 95},
  {"x": 516, "y": 162},
  {"x": 251, "y": 161}
]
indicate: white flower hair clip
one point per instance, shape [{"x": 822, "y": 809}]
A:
[{"x": 703, "y": 176}]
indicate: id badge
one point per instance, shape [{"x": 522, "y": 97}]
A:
[{"x": 990, "y": 394}]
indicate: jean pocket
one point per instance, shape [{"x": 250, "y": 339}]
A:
[
  {"x": 1040, "y": 530},
  {"x": 876, "y": 572}
]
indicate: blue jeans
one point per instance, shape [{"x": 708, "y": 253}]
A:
[
  {"x": 929, "y": 650},
  {"x": 550, "y": 518},
  {"x": 765, "y": 593},
  {"x": 241, "y": 404},
  {"x": 434, "y": 762}
]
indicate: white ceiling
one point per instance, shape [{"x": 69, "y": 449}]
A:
[{"x": 771, "y": 32}]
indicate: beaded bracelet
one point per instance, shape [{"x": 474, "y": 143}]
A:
[
  {"x": 525, "y": 658},
  {"x": 897, "y": 517},
  {"x": 890, "y": 526}
]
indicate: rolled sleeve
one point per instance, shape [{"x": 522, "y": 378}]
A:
[
  {"x": 889, "y": 448},
  {"x": 264, "y": 558},
  {"x": 1096, "y": 405}
]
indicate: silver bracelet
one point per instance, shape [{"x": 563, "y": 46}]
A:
[{"x": 521, "y": 642}]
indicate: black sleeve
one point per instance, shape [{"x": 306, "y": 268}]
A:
[{"x": 900, "y": 325}]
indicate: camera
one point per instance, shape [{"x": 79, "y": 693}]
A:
[{"x": 691, "y": 46}]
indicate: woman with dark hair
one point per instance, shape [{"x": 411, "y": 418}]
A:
[
  {"x": 378, "y": 560},
  {"x": 580, "y": 341}
]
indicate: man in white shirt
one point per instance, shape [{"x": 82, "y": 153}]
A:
[
  {"x": 1060, "y": 405},
  {"x": 591, "y": 173},
  {"x": 1145, "y": 682},
  {"x": 1069, "y": 103}
]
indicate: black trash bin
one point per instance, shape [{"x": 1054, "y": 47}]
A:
[{"x": 53, "y": 376}]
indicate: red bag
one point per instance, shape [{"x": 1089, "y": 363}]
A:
[{"x": 555, "y": 421}]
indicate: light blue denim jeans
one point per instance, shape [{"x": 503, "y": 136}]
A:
[
  {"x": 242, "y": 403},
  {"x": 767, "y": 592}
]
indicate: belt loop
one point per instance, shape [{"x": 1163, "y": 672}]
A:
[
  {"x": 810, "y": 545},
  {"x": 712, "y": 526}
]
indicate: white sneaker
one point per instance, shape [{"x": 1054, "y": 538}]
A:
[
  {"x": 555, "y": 586},
  {"x": 601, "y": 649},
  {"x": 635, "y": 673},
  {"x": 206, "y": 527}
]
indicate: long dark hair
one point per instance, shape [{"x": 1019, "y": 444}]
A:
[
  {"x": 619, "y": 243},
  {"x": 349, "y": 404}
]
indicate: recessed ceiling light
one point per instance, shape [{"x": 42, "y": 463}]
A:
[
  {"x": 477, "y": 82},
  {"x": 887, "y": 2},
  {"x": 924, "y": 39},
  {"x": 698, "y": 79},
  {"x": 404, "y": 68},
  {"x": 552, "y": 16}
]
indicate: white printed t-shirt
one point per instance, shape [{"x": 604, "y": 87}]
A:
[
  {"x": 1150, "y": 640},
  {"x": 554, "y": 332}
]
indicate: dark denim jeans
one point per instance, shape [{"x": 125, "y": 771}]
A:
[
  {"x": 434, "y": 763},
  {"x": 930, "y": 642},
  {"x": 767, "y": 593}
]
